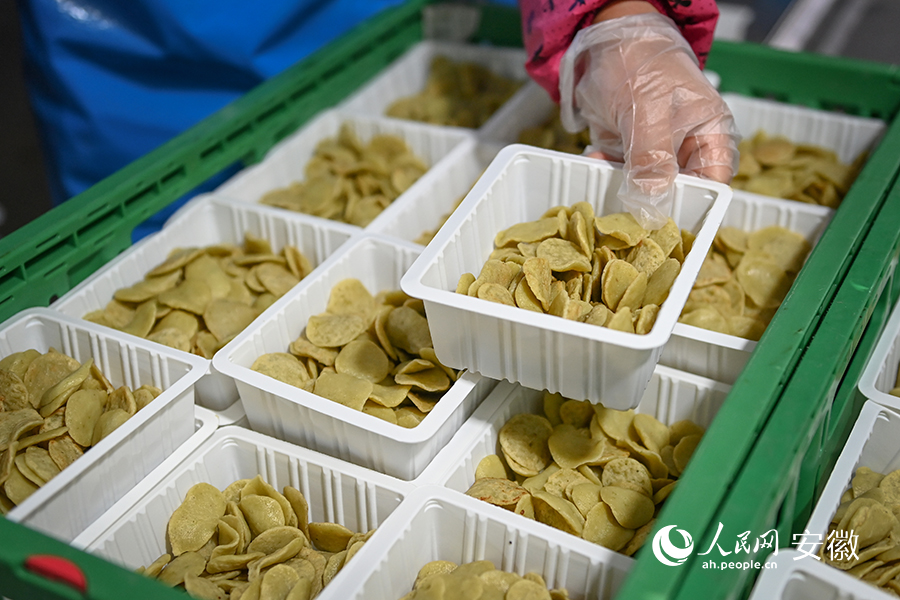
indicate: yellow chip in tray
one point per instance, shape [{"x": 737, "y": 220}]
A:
[
  {"x": 493, "y": 292},
  {"x": 563, "y": 255},
  {"x": 64, "y": 451},
  {"x": 557, "y": 512},
  {"x": 601, "y": 527},
  {"x": 627, "y": 473},
  {"x": 176, "y": 260},
  {"x": 706, "y": 318},
  {"x": 350, "y": 297},
  {"x": 711, "y": 296},
  {"x": 173, "y": 338},
  {"x": 622, "y": 226},
  {"x": 13, "y": 393},
  {"x": 523, "y": 440},
  {"x": 646, "y": 256},
  {"x": 490, "y": 466},
  {"x": 46, "y": 371},
  {"x": 283, "y": 367},
  {"x": 226, "y": 318},
  {"x": 774, "y": 151},
  {"x": 715, "y": 269},
  {"x": 617, "y": 276},
  {"x": 763, "y": 280},
  {"x": 330, "y": 330},
  {"x": 530, "y": 231},
  {"x": 343, "y": 389},
  {"x": 497, "y": 490},
  {"x": 408, "y": 330},
  {"x": 570, "y": 449},
  {"x": 732, "y": 238},
  {"x": 574, "y": 412},
  {"x": 785, "y": 247},
  {"x": 83, "y": 410},
  {"x": 614, "y": 423},
  {"x": 108, "y": 422},
  {"x": 195, "y": 521},
  {"x": 745, "y": 327},
  {"x": 363, "y": 359},
  {"x": 631, "y": 509}
]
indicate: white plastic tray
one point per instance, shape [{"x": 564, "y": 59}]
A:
[
  {"x": 721, "y": 356},
  {"x": 409, "y": 73},
  {"x": 542, "y": 351},
  {"x": 133, "y": 532},
  {"x": 423, "y": 208},
  {"x": 671, "y": 396},
  {"x": 204, "y": 221},
  {"x": 285, "y": 162},
  {"x": 438, "y": 524},
  {"x": 874, "y": 442},
  {"x": 80, "y": 493},
  {"x": 880, "y": 374},
  {"x": 798, "y": 577},
  {"x": 847, "y": 135},
  {"x": 289, "y": 413}
]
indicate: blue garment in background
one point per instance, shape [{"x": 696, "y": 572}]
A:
[{"x": 111, "y": 80}]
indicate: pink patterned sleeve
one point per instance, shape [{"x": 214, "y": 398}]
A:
[{"x": 548, "y": 27}]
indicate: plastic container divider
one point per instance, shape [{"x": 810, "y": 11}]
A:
[
  {"x": 437, "y": 197},
  {"x": 505, "y": 342},
  {"x": 795, "y": 576},
  {"x": 292, "y": 414},
  {"x": 880, "y": 375},
  {"x": 285, "y": 162},
  {"x": 436, "y": 524},
  {"x": 339, "y": 492},
  {"x": 874, "y": 442},
  {"x": 95, "y": 481},
  {"x": 408, "y": 75},
  {"x": 720, "y": 356},
  {"x": 671, "y": 396},
  {"x": 205, "y": 221}
]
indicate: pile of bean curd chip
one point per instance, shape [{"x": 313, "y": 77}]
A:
[
  {"x": 349, "y": 181},
  {"x": 870, "y": 511},
  {"x": 52, "y": 409},
  {"x": 442, "y": 579},
  {"x": 461, "y": 94},
  {"x": 198, "y": 299},
  {"x": 251, "y": 542},
  {"x": 370, "y": 353},
  {"x": 553, "y": 136},
  {"x": 775, "y": 166},
  {"x": 607, "y": 271},
  {"x": 744, "y": 279},
  {"x": 597, "y": 473}
]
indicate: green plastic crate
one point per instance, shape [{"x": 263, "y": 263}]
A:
[{"x": 46, "y": 258}]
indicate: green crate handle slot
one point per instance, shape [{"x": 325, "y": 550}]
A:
[{"x": 103, "y": 581}]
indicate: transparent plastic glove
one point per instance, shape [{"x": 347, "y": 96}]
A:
[{"x": 636, "y": 83}]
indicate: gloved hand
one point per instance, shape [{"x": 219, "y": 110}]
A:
[{"x": 636, "y": 83}]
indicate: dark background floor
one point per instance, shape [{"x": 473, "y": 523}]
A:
[{"x": 865, "y": 29}]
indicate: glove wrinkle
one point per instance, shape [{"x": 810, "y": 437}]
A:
[{"x": 645, "y": 100}]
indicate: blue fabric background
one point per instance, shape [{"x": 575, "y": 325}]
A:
[{"x": 111, "y": 80}]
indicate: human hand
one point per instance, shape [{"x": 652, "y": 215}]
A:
[{"x": 636, "y": 83}]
